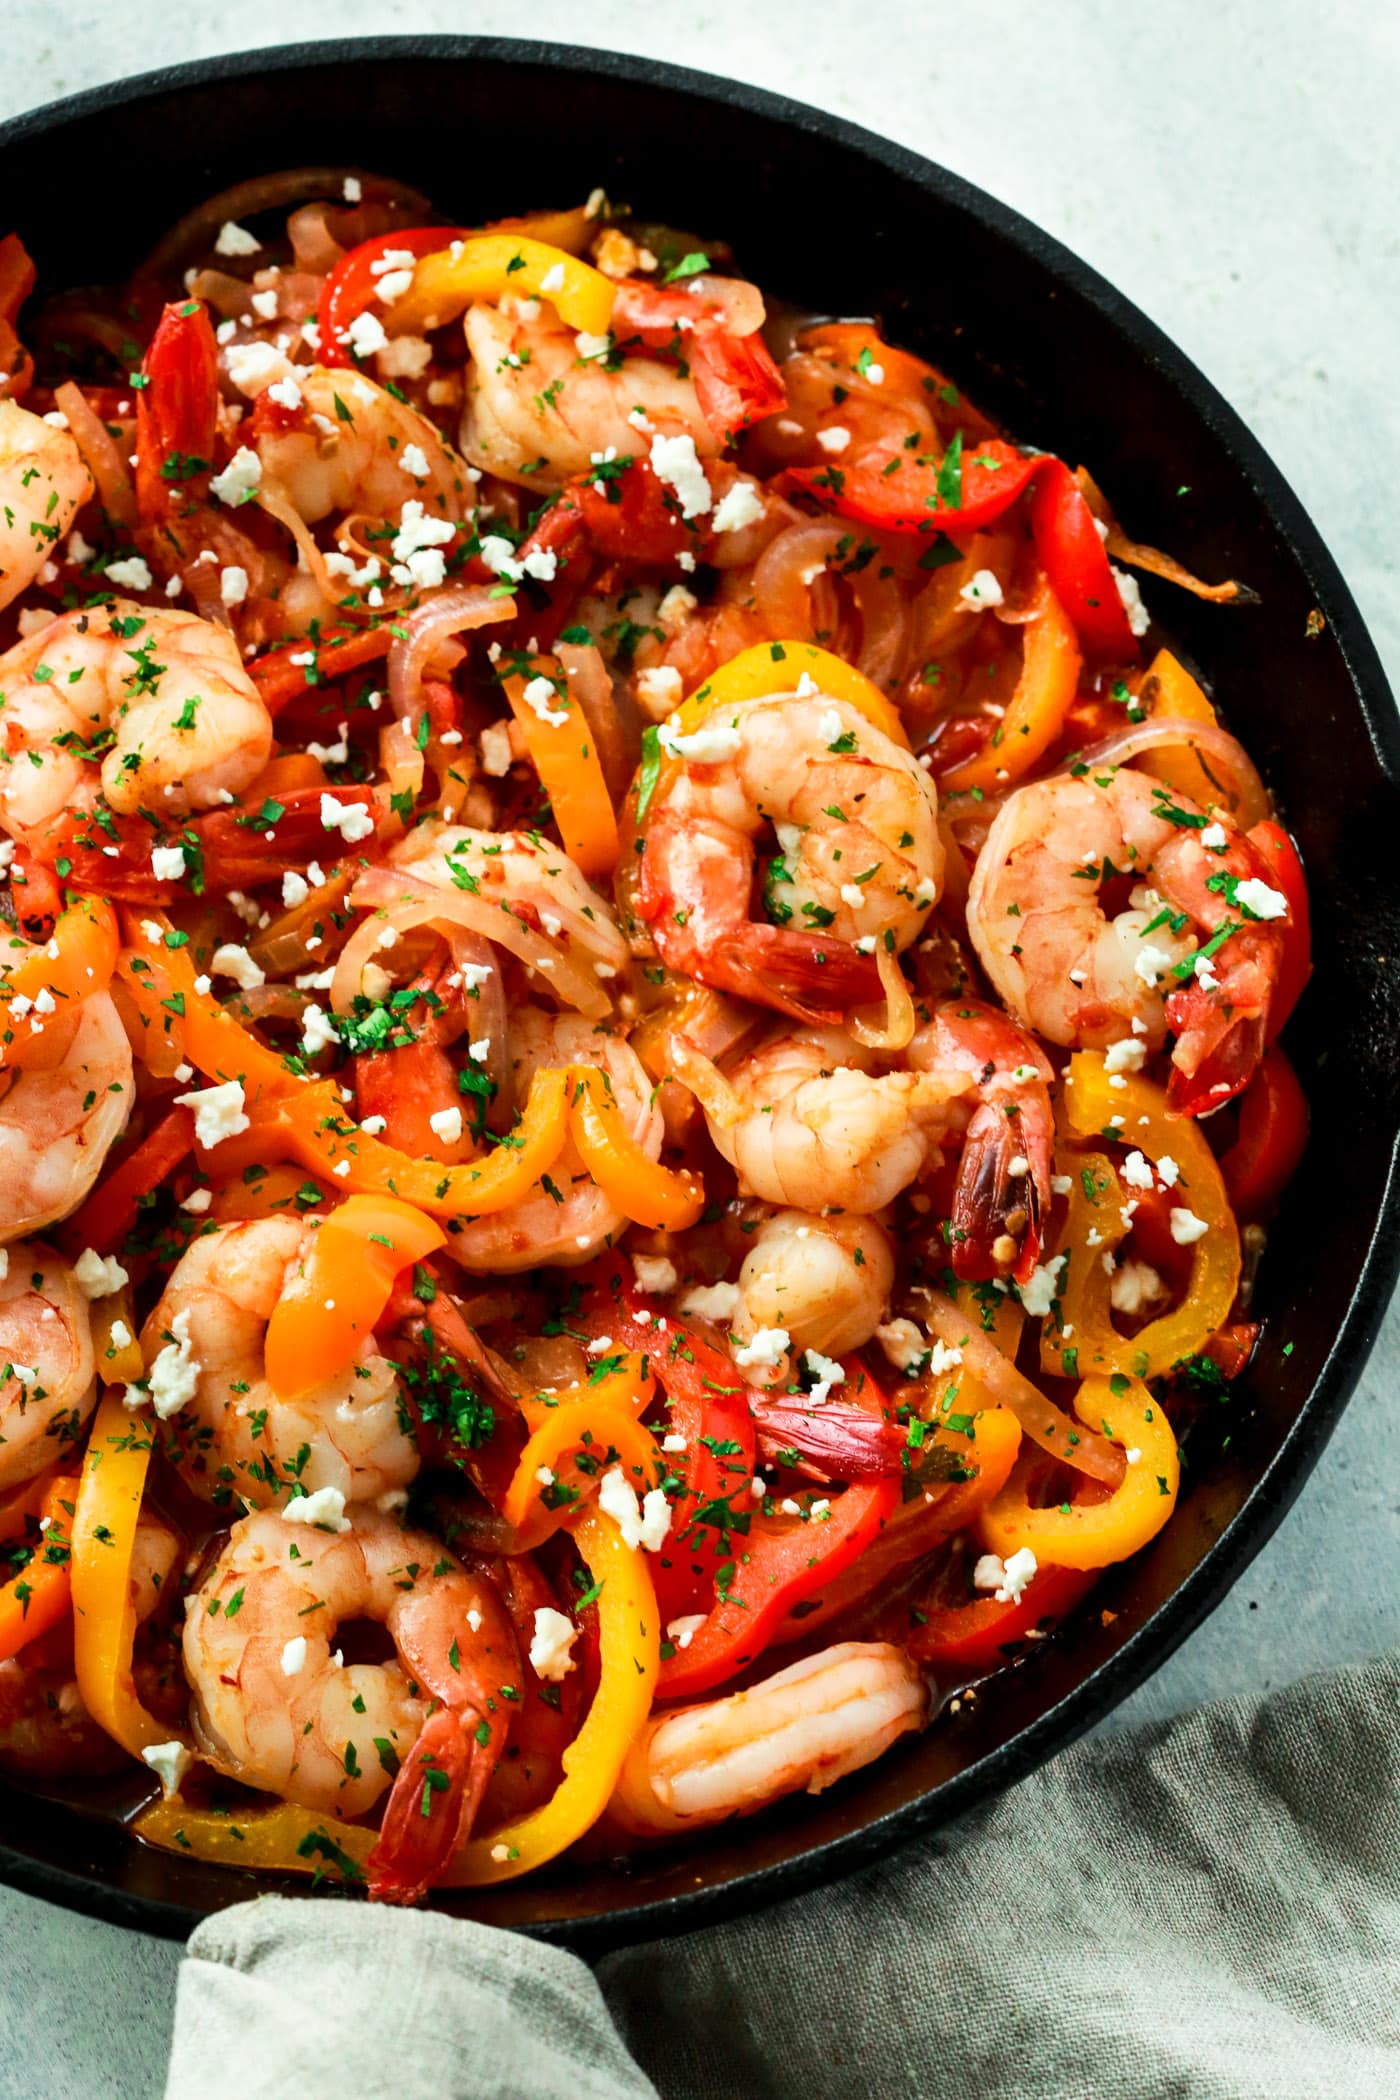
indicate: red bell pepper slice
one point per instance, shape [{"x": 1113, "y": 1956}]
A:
[
  {"x": 1285, "y": 867},
  {"x": 964, "y": 1639},
  {"x": 352, "y": 285},
  {"x": 280, "y": 678},
  {"x": 177, "y": 409},
  {"x": 1273, "y": 1131},
  {"x": 111, "y": 1210}
]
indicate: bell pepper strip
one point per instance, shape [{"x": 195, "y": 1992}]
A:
[
  {"x": 1285, "y": 868},
  {"x": 1072, "y": 556},
  {"x": 17, "y": 275},
  {"x": 780, "y": 667},
  {"x": 564, "y": 753},
  {"x": 213, "y": 1041},
  {"x": 1094, "y": 1535},
  {"x": 592, "y": 1437},
  {"x": 36, "y": 1596},
  {"x": 331, "y": 1304},
  {"x": 109, "y": 1496},
  {"x": 484, "y": 266},
  {"x": 1169, "y": 691},
  {"x": 631, "y": 1647},
  {"x": 282, "y": 1839},
  {"x": 115, "y": 1348},
  {"x": 353, "y": 285},
  {"x": 177, "y": 410},
  {"x": 76, "y": 961},
  {"x": 1035, "y": 715},
  {"x": 1079, "y": 1338},
  {"x": 283, "y": 674},
  {"x": 1273, "y": 1132},
  {"x": 1045, "y": 1424},
  {"x": 622, "y": 1382},
  {"x": 110, "y": 1212},
  {"x": 641, "y": 1188},
  {"x": 967, "y": 1638}
]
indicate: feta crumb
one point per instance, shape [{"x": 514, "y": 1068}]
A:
[
  {"x": 232, "y": 961},
  {"x": 236, "y": 240},
  {"x": 239, "y": 478},
  {"x": 133, "y": 574},
  {"x": 294, "y": 1656},
  {"x": 366, "y": 335},
  {"x": 659, "y": 689},
  {"x": 834, "y": 438},
  {"x": 1137, "y": 1171},
  {"x": 1215, "y": 837},
  {"x": 168, "y": 863},
  {"x": 351, "y": 819},
  {"x": 1151, "y": 963},
  {"x": 1129, "y": 1055},
  {"x": 1038, "y": 1291},
  {"x": 1135, "y": 1288},
  {"x": 538, "y": 694},
  {"x": 708, "y": 745},
  {"x": 447, "y": 1124},
  {"x": 325, "y": 1509},
  {"x": 904, "y": 1344},
  {"x": 989, "y": 1572},
  {"x": 495, "y": 750},
  {"x": 198, "y": 1201},
  {"x": 740, "y": 506},
  {"x": 96, "y": 1276},
  {"x": 675, "y": 462},
  {"x": 295, "y": 889},
  {"x": 683, "y": 1631},
  {"x": 550, "y": 1644},
  {"x": 233, "y": 584},
  {"x": 825, "y": 1372},
  {"x": 1019, "y": 1570},
  {"x": 646, "y": 1525},
  {"x": 174, "y": 1376},
  {"x": 169, "y": 1762},
  {"x": 318, "y": 1031},
  {"x": 712, "y": 1301},
  {"x": 552, "y": 280},
  {"x": 1251, "y": 895},
  {"x": 1168, "y": 1172},
  {"x": 982, "y": 590},
  {"x": 655, "y": 1274},
  {"x": 1139, "y": 618},
  {"x": 764, "y": 1349},
  {"x": 218, "y": 1112},
  {"x": 1187, "y": 1228}
]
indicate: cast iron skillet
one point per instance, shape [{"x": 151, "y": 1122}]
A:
[{"x": 833, "y": 218}]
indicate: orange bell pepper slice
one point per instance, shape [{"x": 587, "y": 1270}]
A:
[
  {"x": 327, "y": 1308},
  {"x": 1044, "y": 693},
  {"x": 453, "y": 278},
  {"x": 36, "y": 1597},
  {"x": 1097, "y": 1202},
  {"x": 630, "y": 1635},
  {"x": 76, "y": 960},
  {"x": 1095, "y": 1534},
  {"x": 111, "y": 1210},
  {"x": 213, "y": 1041},
  {"x": 641, "y": 1188},
  {"x": 104, "y": 1538},
  {"x": 588, "y": 1430},
  {"x": 565, "y": 755}
]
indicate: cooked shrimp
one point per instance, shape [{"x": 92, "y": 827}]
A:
[
  {"x": 804, "y": 1728},
  {"x": 811, "y": 1123},
  {"x": 539, "y": 413},
  {"x": 826, "y": 1281},
  {"x": 45, "y": 1729},
  {"x": 351, "y": 447},
  {"x": 48, "y": 1388},
  {"x": 567, "y": 1219},
  {"x": 859, "y": 858},
  {"x": 1003, "y": 1186},
  {"x": 58, "y": 1122},
  {"x": 534, "y": 879},
  {"x": 43, "y": 485},
  {"x": 275, "y": 1708},
  {"x": 154, "y": 709},
  {"x": 1073, "y": 974},
  {"x": 238, "y": 1442}
]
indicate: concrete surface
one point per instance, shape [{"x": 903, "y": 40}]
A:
[{"x": 1234, "y": 167}]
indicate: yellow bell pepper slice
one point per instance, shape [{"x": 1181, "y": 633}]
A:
[
  {"x": 641, "y": 1188},
  {"x": 160, "y": 981},
  {"x": 576, "y": 1429},
  {"x": 452, "y": 279},
  {"x": 1092, "y": 1343},
  {"x": 332, "y": 1303},
  {"x": 114, "y": 1344},
  {"x": 778, "y": 667},
  {"x": 283, "y": 1839},
  {"x": 1044, "y": 692},
  {"x": 1095, "y": 1534},
  {"x": 76, "y": 960},
  {"x": 1169, "y": 691},
  {"x": 104, "y": 1537},
  {"x": 631, "y": 1657},
  {"x": 564, "y": 753}
]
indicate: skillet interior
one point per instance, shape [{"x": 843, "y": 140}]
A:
[{"x": 835, "y": 219}]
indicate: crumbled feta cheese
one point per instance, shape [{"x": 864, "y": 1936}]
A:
[
  {"x": 1133, "y": 1455},
  {"x": 675, "y": 609},
  {"x": 989, "y": 1572},
  {"x": 218, "y": 1112},
  {"x": 655, "y": 1274},
  {"x": 264, "y": 304},
  {"x": 232, "y": 961},
  {"x": 904, "y": 1344},
  {"x": 317, "y": 1030},
  {"x": 824, "y": 1370},
  {"x": 285, "y": 392},
  {"x": 1205, "y": 975},
  {"x": 374, "y": 1126},
  {"x": 351, "y": 819},
  {"x": 764, "y": 1349},
  {"x": 174, "y": 1376},
  {"x": 712, "y": 1301},
  {"x": 1251, "y": 895},
  {"x": 552, "y": 280},
  {"x": 645, "y": 1525},
  {"x": 351, "y": 189},
  {"x": 239, "y": 479},
  {"x": 1151, "y": 963},
  {"x": 133, "y": 574},
  {"x": 98, "y": 1276},
  {"x": 325, "y": 1509},
  {"x": 447, "y": 1124},
  {"x": 681, "y": 1632},
  {"x": 553, "y": 1637},
  {"x": 1137, "y": 1171},
  {"x": 708, "y": 745},
  {"x": 233, "y": 584},
  {"x": 417, "y": 547},
  {"x": 121, "y": 1335},
  {"x": 1135, "y": 1288},
  {"x": 366, "y": 335},
  {"x": 1139, "y": 619},
  {"x": 294, "y": 1656},
  {"x": 1187, "y": 1228},
  {"x": 982, "y": 590},
  {"x": 295, "y": 889},
  {"x": 538, "y": 694},
  {"x": 853, "y": 895},
  {"x": 236, "y": 240},
  {"x": 592, "y": 348},
  {"x": 495, "y": 750},
  {"x": 169, "y": 1762},
  {"x": 739, "y": 506},
  {"x": 834, "y": 438},
  {"x": 1168, "y": 1172},
  {"x": 675, "y": 462},
  {"x": 1018, "y": 1572},
  {"x": 1038, "y": 1291},
  {"x": 1129, "y": 1055},
  {"x": 659, "y": 689},
  {"x": 405, "y": 357},
  {"x": 1215, "y": 837},
  {"x": 254, "y": 366},
  {"x": 198, "y": 1201}
]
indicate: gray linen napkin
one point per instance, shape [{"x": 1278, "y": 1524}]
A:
[{"x": 1208, "y": 1909}]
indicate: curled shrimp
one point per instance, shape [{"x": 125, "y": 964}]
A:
[
  {"x": 151, "y": 710},
  {"x": 857, "y": 856},
  {"x": 275, "y": 1707},
  {"x": 236, "y": 1439},
  {"x": 350, "y": 447},
  {"x": 1002, "y": 1195},
  {"x": 48, "y": 1387},
  {"x": 565, "y": 1218},
  {"x": 43, "y": 486},
  {"x": 825, "y": 1281},
  {"x": 802, "y": 1729},
  {"x": 59, "y": 1121},
  {"x": 538, "y": 413},
  {"x": 810, "y": 1122},
  {"x": 1038, "y": 919}
]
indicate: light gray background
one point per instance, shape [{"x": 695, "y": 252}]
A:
[{"x": 1233, "y": 166}]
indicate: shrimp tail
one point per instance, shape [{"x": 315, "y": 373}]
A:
[
  {"x": 836, "y": 1441},
  {"x": 1220, "y": 1034},
  {"x": 814, "y": 980},
  {"x": 431, "y": 1808},
  {"x": 1002, "y": 1195}
]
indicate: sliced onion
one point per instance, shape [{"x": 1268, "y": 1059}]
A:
[
  {"x": 404, "y": 901},
  {"x": 315, "y": 248},
  {"x": 228, "y": 296},
  {"x": 1233, "y": 769},
  {"x": 456, "y": 609},
  {"x": 199, "y": 228},
  {"x": 590, "y": 683},
  {"x": 272, "y": 497},
  {"x": 1043, "y": 1422},
  {"x": 703, "y": 1078},
  {"x": 897, "y": 1031},
  {"x": 282, "y": 948},
  {"x": 100, "y": 454}
]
